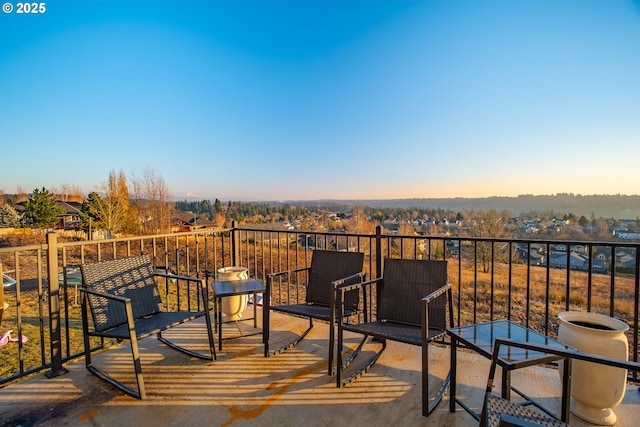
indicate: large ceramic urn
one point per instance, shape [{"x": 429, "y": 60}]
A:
[
  {"x": 235, "y": 305},
  {"x": 595, "y": 389}
]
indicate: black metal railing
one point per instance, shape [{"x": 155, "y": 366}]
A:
[{"x": 526, "y": 281}]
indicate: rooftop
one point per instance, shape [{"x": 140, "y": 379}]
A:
[{"x": 244, "y": 388}]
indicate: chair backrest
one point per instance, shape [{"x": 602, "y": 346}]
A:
[
  {"x": 405, "y": 282},
  {"x": 127, "y": 277},
  {"x": 327, "y": 267}
]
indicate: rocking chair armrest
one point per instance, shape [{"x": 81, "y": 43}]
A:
[
  {"x": 359, "y": 284},
  {"x": 569, "y": 352},
  {"x": 337, "y": 297},
  {"x": 426, "y": 301},
  {"x": 340, "y": 286},
  {"x": 435, "y": 294},
  {"x": 340, "y": 283},
  {"x": 118, "y": 298},
  {"x": 126, "y": 302}
]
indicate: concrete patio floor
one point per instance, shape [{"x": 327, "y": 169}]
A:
[{"x": 244, "y": 388}]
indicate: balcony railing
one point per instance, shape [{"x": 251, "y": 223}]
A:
[{"x": 492, "y": 279}]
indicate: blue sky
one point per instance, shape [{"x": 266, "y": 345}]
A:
[{"x": 283, "y": 100}]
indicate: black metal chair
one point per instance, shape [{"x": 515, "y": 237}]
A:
[
  {"x": 498, "y": 411},
  {"x": 125, "y": 304},
  {"x": 328, "y": 270},
  {"x": 414, "y": 305}
]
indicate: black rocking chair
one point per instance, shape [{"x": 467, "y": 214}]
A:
[
  {"x": 124, "y": 302},
  {"x": 413, "y": 298},
  {"x": 328, "y": 270}
]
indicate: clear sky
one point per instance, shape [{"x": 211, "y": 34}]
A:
[{"x": 283, "y": 100}]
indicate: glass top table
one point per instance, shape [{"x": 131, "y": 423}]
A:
[
  {"x": 481, "y": 338},
  {"x": 232, "y": 288}
]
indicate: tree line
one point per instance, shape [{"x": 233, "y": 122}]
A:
[
  {"x": 139, "y": 204},
  {"x": 241, "y": 211}
]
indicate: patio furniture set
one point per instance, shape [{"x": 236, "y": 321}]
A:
[{"x": 412, "y": 302}]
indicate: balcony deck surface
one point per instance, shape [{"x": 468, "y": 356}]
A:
[{"x": 243, "y": 388}]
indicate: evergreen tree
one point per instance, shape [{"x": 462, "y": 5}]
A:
[
  {"x": 90, "y": 211},
  {"x": 9, "y": 217},
  {"x": 41, "y": 209}
]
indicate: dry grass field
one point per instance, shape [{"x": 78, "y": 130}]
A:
[{"x": 560, "y": 297}]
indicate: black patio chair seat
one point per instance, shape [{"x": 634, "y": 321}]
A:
[
  {"x": 399, "y": 332},
  {"x": 328, "y": 270},
  {"x": 413, "y": 300},
  {"x": 502, "y": 412},
  {"x": 124, "y": 302},
  {"x": 147, "y": 326}
]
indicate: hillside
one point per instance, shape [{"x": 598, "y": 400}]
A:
[{"x": 606, "y": 206}]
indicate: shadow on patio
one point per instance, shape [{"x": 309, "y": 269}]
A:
[{"x": 244, "y": 388}]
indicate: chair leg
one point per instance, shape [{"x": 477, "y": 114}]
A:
[
  {"x": 135, "y": 353},
  {"x": 141, "y": 392},
  {"x": 428, "y": 405},
  {"x": 85, "y": 331},
  {"x": 341, "y": 364},
  {"x": 332, "y": 332},
  {"x": 212, "y": 344}
]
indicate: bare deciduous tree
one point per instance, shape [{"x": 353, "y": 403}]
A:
[
  {"x": 70, "y": 193},
  {"x": 489, "y": 224},
  {"x": 152, "y": 201},
  {"x": 20, "y": 196},
  {"x": 359, "y": 222},
  {"x": 220, "y": 219},
  {"x": 407, "y": 246},
  {"x": 63, "y": 192}
]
